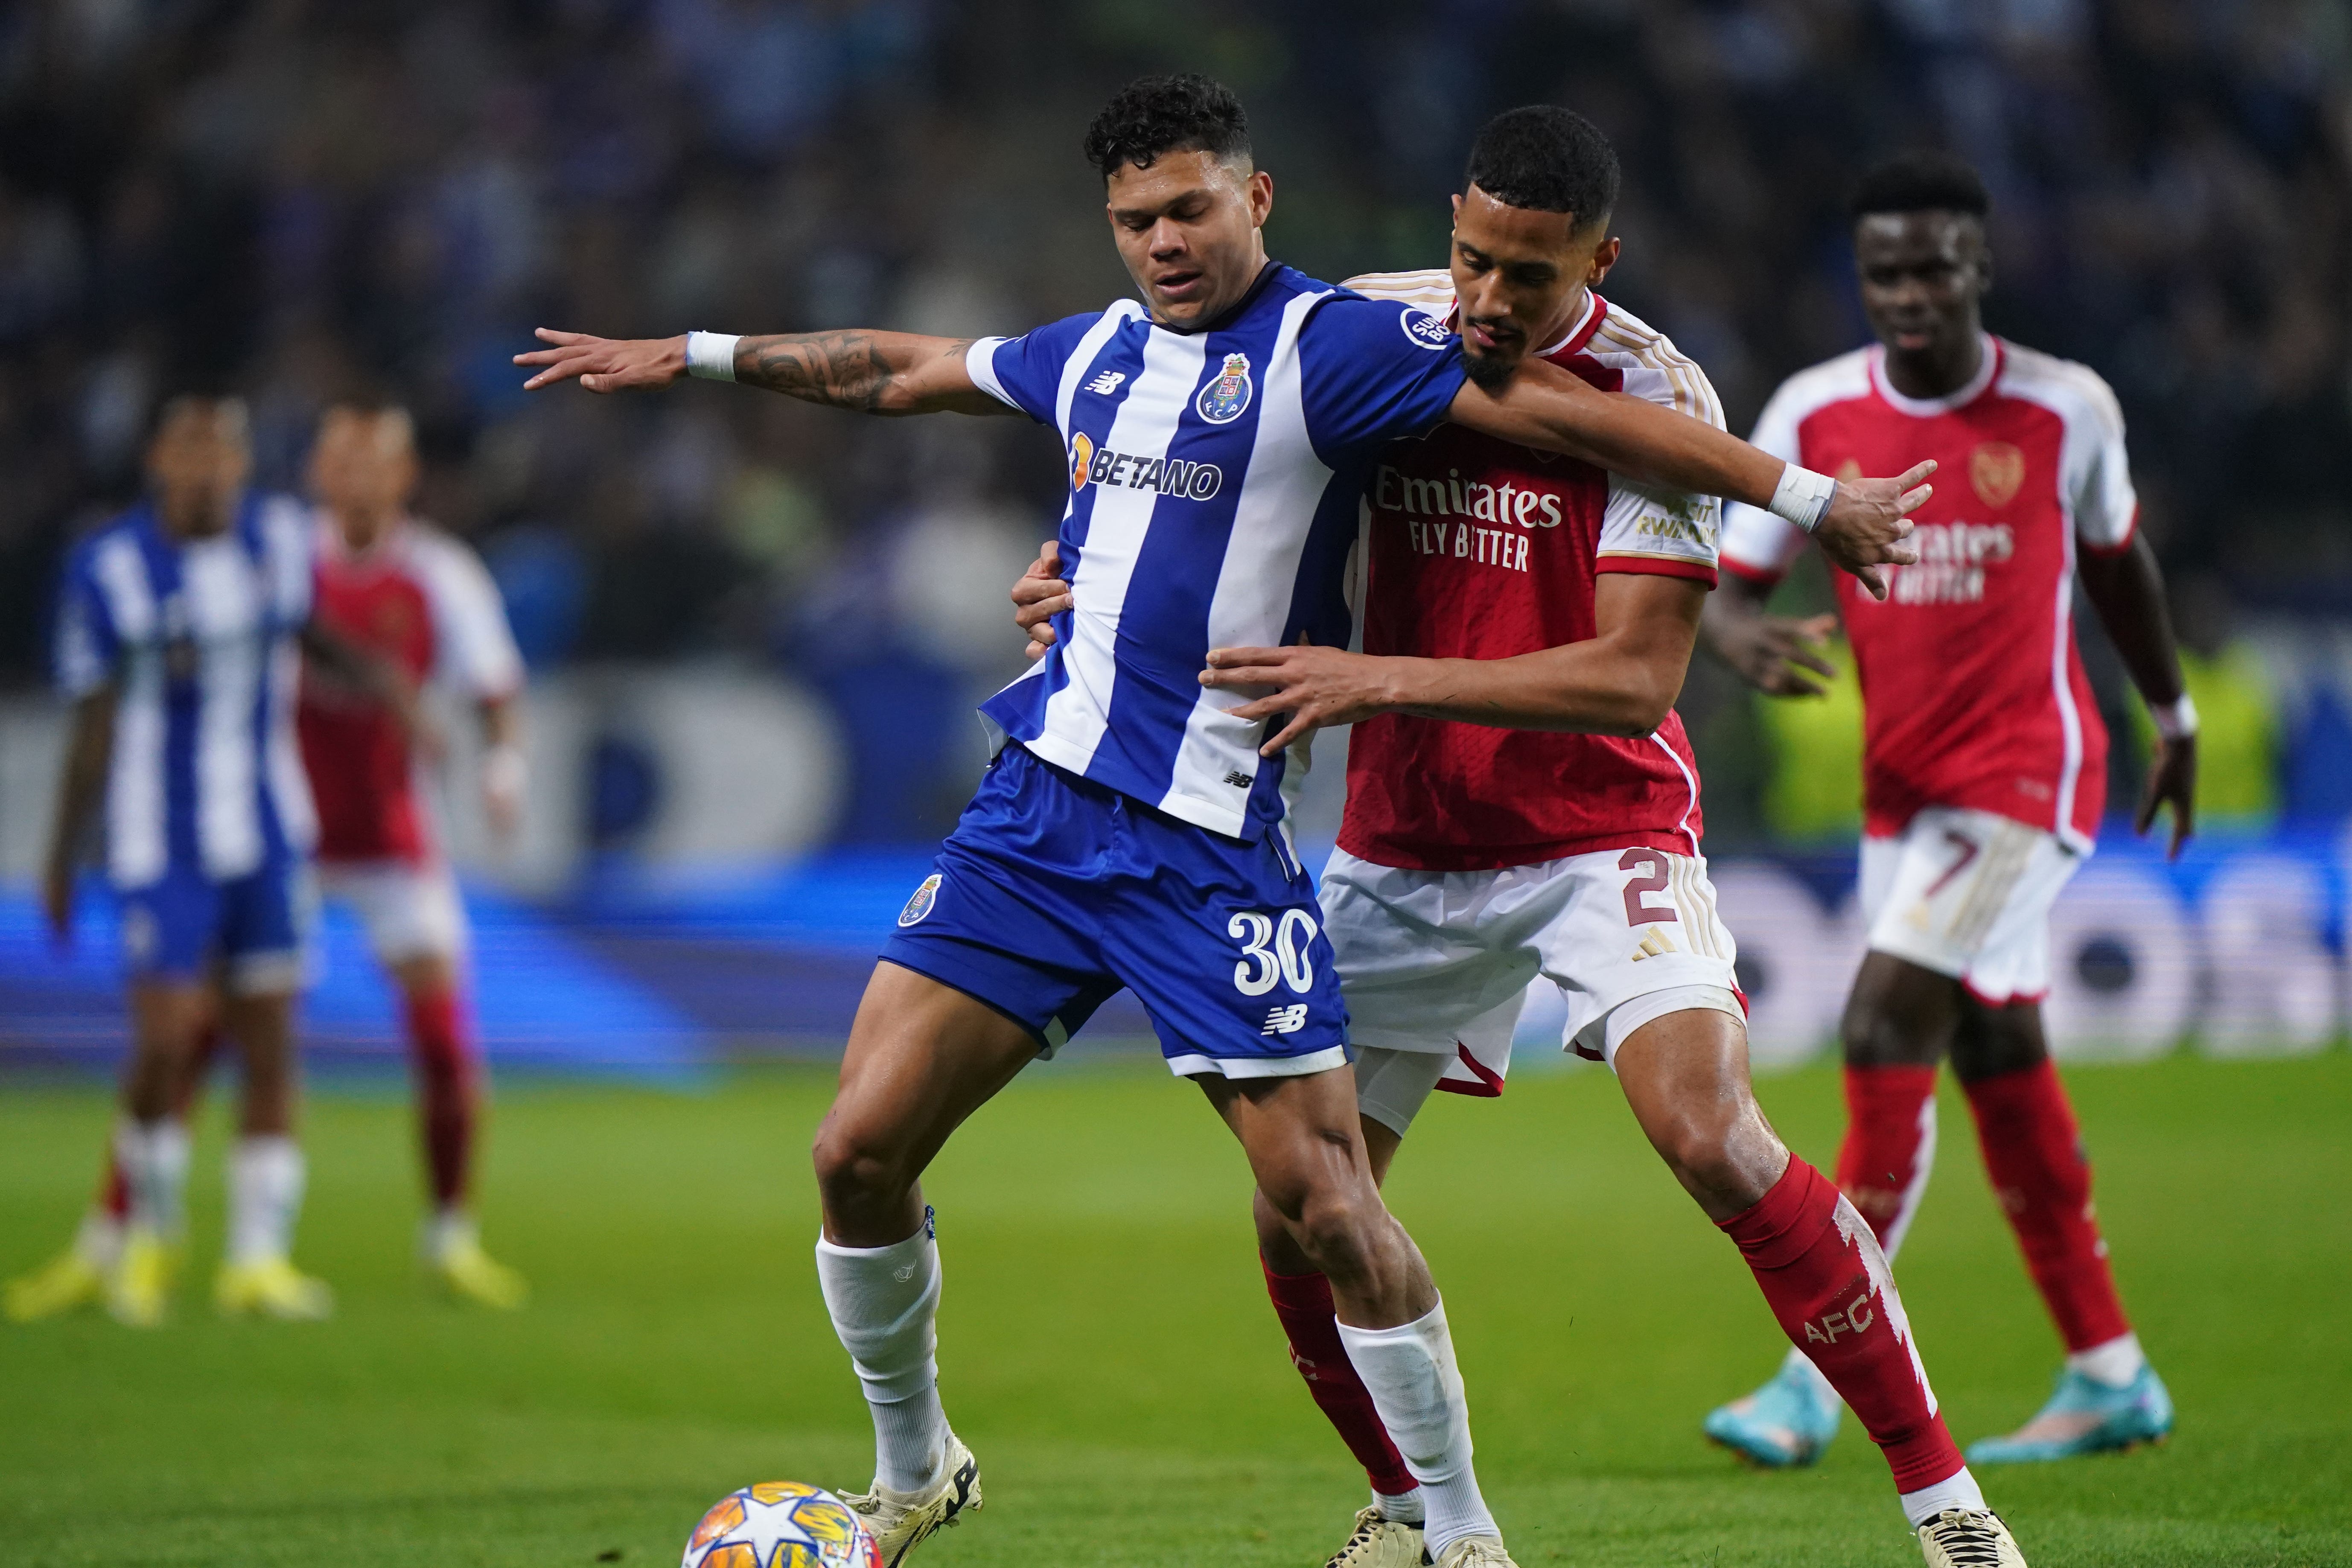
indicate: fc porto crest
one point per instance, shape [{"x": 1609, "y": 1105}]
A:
[
  {"x": 1222, "y": 401},
  {"x": 921, "y": 904}
]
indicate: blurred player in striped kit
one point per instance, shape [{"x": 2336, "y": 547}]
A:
[
  {"x": 1984, "y": 771},
  {"x": 420, "y": 606}
]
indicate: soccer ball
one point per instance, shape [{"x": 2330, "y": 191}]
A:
[{"x": 781, "y": 1524}]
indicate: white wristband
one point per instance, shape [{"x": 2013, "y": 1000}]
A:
[
  {"x": 710, "y": 355},
  {"x": 1802, "y": 497},
  {"x": 2176, "y": 720}
]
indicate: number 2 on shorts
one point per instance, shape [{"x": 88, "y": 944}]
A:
[{"x": 1638, "y": 909}]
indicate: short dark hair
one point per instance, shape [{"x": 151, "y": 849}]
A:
[
  {"x": 1920, "y": 180},
  {"x": 1156, "y": 114},
  {"x": 1547, "y": 159}
]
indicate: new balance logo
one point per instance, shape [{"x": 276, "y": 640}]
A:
[
  {"x": 1239, "y": 779},
  {"x": 1856, "y": 1317},
  {"x": 1656, "y": 944},
  {"x": 1286, "y": 1020},
  {"x": 1107, "y": 382}
]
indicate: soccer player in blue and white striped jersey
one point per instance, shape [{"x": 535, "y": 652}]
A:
[
  {"x": 1127, "y": 834},
  {"x": 179, "y": 641}
]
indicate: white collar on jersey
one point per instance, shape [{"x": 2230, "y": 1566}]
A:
[
  {"x": 1584, "y": 319},
  {"x": 1987, "y": 368}
]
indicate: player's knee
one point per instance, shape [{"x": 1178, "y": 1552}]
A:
[
  {"x": 854, "y": 1169},
  {"x": 1339, "y": 1231}
]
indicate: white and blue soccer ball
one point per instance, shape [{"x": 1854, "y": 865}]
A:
[{"x": 781, "y": 1524}]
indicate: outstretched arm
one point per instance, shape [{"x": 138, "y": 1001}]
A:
[
  {"x": 1863, "y": 524},
  {"x": 2126, "y": 589},
  {"x": 875, "y": 373},
  {"x": 1777, "y": 656},
  {"x": 1621, "y": 681}
]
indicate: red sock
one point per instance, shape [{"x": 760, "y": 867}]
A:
[
  {"x": 113, "y": 1190},
  {"x": 1829, "y": 1285},
  {"x": 2034, "y": 1156},
  {"x": 1889, "y": 1148},
  {"x": 1303, "y": 1302},
  {"x": 445, "y": 1090}
]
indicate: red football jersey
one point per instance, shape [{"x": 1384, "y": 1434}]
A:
[
  {"x": 422, "y": 600},
  {"x": 1973, "y": 693},
  {"x": 1478, "y": 548}
]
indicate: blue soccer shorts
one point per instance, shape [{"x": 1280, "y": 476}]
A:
[
  {"x": 251, "y": 932},
  {"x": 1054, "y": 892}
]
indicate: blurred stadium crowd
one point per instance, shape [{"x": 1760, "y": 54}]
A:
[{"x": 297, "y": 199}]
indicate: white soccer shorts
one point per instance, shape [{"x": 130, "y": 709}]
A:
[
  {"x": 1434, "y": 965},
  {"x": 408, "y": 912},
  {"x": 1968, "y": 894}
]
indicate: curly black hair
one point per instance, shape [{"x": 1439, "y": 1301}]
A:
[
  {"x": 1156, "y": 114},
  {"x": 1920, "y": 180},
  {"x": 1546, "y": 159}
]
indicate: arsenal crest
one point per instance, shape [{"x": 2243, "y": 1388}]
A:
[
  {"x": 1997, "y": 471},
  {"x": 1222, "y": 401}
]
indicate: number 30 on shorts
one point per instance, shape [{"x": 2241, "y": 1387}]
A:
[{"x": 1291, "y": 935}]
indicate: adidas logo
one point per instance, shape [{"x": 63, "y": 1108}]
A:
[{"x": 1656, "y": 943}]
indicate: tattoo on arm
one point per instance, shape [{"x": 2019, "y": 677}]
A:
[{"x": 841, "y": 369}]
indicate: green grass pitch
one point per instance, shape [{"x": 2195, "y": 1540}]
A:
[{"x": 1109, "y": 1355}]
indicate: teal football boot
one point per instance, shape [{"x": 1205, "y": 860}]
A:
[
  {"x": 2085, "y": 1417},
  {"x": 1784, "y": 1424}
]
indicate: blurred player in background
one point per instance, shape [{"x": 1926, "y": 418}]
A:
[
  {"x": 1522, "y": 803},
  {"x": 1984, "y": 774},
  {"x": 1131, "y": 833},
  {"x": 179, "y": 642},
  {"x": 421, "y": 601},
  {"x": 421, "y": 605}
]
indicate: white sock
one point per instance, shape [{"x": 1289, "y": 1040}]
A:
[
  {"x": 446, "y": 1229},
  {"x": 884, "y": 1302},
  {"x": 99, "y": 1241},
  {"x": 1405, "y": 1508},
  {"x": 2114, "y": 1363},
  {"x": 1960, "y": 1491},
  {"x": 154, "y": 1158},
  {"x": 1417, "y": 1389},
  {"x": 265, "y": 1195}
]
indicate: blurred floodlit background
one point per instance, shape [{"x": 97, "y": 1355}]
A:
[{"x": 757, "y": 629}]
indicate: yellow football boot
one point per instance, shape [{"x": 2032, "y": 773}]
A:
[
  {"x": 272, "y": 1287},
  {"x": 64, "y": 1283},
  {"x": 472, "y": 1275},
  {"x": 139, "y": 1289}
]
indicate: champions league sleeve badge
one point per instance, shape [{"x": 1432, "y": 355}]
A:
[{"x": 1222, "y": 401}]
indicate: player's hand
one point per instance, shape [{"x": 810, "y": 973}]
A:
[
  {"x": 605, "y": 365},
  {"x": 506, "y": 778},
  {"x": 1040, "y": 595},
  {"x": 1777, "y": 655},
  {"x": 1869, "y": 525},
  {"x": 1314, "y": 687},
  {"x": 2171, "y": 780},
  {"x": 58, "y": 899}
]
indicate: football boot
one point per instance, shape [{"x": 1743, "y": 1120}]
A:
[
  {"x": 899, "y": 1521},
  {"x": 64, "y": 1283},
  {"x": 2085, "y": 1417},
  {"x": 1969, "y": 1537},
  {"x": 139, "y": 1286},
  {"x": 1379, "y": 1541},
  {"x": 1784, "y": 1424},
  {"x": 1477, "y": 1551},
  {"x": 272, "y": 1287},
  {"x": 472, "y": 1275}
]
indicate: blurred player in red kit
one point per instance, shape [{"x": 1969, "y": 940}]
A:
[
  {"x": 1984, "y": 771},
  {"x": 1523, "y": 805},
  {"x": 420, "y": 602}
]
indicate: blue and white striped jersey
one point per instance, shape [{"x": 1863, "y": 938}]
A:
[
  {"x": 200, "y": 635},
  {"x": 1215, "y": 480}
]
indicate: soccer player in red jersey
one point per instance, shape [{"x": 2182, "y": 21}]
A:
[
  {"x": 1984, "y": 770},
  {"x": 1522, "y": 801},
  {"x": 420, "y": 603}
]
